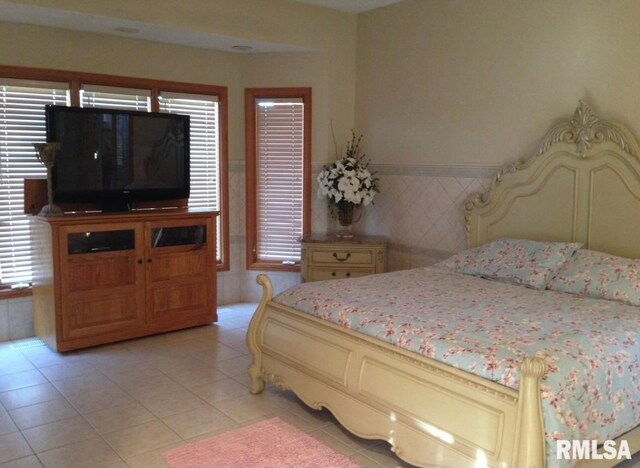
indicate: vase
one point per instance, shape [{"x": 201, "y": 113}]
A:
[
  {"x": 345, "y": 212},
  {"x": 46, "y": 153}
]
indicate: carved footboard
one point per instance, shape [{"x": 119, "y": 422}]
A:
[{"x": 430, "y": 413}]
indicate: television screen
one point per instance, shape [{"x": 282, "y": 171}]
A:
[{"x": 115, "y": 157}]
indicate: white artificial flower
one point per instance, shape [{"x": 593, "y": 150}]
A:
[
  {"x": 347, "y": 180},
  {"x": 336, "y": 194},
  {"x": 368, "y": 198}
]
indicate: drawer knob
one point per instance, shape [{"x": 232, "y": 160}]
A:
[
  {"x": 342, "y": 259},
  {"x": 333, "y": 273},
  {"x": 348, "y": 274}
]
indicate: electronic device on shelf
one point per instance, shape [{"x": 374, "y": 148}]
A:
[{"x": 114, "y": 158}]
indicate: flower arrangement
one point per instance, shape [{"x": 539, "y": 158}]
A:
[{"x": 348, "y": 179}]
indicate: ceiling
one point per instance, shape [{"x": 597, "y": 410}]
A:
[
  {"x": 11, "y": 12},
  {"x": 350, "y": 6}
]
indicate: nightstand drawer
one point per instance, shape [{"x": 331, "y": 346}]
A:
[
  {"x": 321, "y": 274},
  {"x": 331, "y": 258},
  {"x": 343, "y": 256}
]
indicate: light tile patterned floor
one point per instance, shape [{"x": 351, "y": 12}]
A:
[{"x": 125, "y": 404}]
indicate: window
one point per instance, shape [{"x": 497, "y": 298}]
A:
[
  {"x": 22, "y": 122},
  {"x": 205, "y": 148},
  {"x": 278, "y": 126},
  {"x": 115, "y": 98},
  {"x": 25, "y": 91}
]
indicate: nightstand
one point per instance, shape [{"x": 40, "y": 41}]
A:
[{"x": 328, "y": 257}]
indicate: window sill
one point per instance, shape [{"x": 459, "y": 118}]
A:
[
  {"x": 13, "y": 293},
  {"x": 268, "y": 266}
]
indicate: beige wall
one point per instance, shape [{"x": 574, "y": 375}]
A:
[
  {"x": 276, "y": 21},
  {"x": 479, "y": 82},
  {"x": 437, "y": 82},
  {"x": 303, "y": 70},
  {"x": 329, "y": 37},
  {"x": 41, "y": 47}
]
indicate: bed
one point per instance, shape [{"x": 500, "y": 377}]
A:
[{"x": 582, "y": 185}]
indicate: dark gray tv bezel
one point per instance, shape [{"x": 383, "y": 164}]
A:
[{"x": 119, "y": 200}]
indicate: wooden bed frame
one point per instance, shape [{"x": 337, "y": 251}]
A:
[{"x": 584, "y": 179}]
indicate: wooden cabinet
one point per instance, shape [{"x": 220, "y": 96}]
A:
[
  {"x": 105, "y": 278},
  {"x": 325, "y": 258}
]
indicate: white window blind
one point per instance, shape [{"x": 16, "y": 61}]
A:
[
  {"x": 205, "y": 149},
  {"x": 115, "y": 98},
  {"x": 279, "y": 179},
  {"x": 22, "y": 123}
]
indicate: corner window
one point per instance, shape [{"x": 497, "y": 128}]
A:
[{"x": 278, "y": 131}]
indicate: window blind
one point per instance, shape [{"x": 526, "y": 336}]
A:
[
  {"x": 22, "y": 123},
  {"x": 205, "y": 150},
  {"x": 110, "y": 97},
  {"x": 279, "y": 179}
]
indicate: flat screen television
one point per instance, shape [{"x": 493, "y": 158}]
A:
[{"x": 114, "y": 158}]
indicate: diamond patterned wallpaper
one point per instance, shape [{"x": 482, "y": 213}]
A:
[{"x": 420, "y": 214}]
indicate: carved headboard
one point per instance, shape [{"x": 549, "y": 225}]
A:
[{"x": 582, "y": 184}]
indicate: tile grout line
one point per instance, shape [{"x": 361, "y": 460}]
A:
[
  {"x": 164, "y": 355},
  {"x": 82, "y": 415}
]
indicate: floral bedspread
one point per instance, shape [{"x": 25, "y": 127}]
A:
[{"x": 592, "y": 390}]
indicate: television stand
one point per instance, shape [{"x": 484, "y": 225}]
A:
[
  {"x": 101, "y": 278},
  {"x": 116, "y": 207},
  {"x": 35, "y": 197}
]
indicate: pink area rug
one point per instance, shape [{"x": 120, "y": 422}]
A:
[{"x": 270, "y": 443}]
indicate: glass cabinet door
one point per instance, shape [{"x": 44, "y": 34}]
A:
[
  {"x": 100, "y": 241},
  {"x": 179, "y": 235}
]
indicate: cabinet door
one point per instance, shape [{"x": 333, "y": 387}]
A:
[
  {"x": 181, "y": 271},
  {"x": 101, "y": 279}
]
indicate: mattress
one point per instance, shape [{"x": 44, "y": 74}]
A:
[{"x": 591, "y": 346}]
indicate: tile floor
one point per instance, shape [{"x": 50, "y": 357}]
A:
[{"x": 124, "y": 405}]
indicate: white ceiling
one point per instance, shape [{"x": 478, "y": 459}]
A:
[{"x": 350, "y": 6}]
